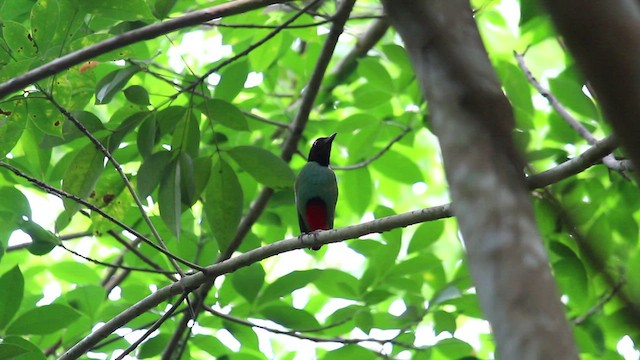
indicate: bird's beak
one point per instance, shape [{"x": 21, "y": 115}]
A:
[{"x": 331, "y": 137}]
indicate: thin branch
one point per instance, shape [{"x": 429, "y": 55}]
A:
[
  {"x": 574, "y": 166},
  {"x": 153, "y": 328},
  {"x": 114, "y": 266},
  {"x": 609, "y": 160},
  {"x": 67, "y": 237},
  {"x": 300, "y": 334},
  {"x": 131, "y": 37},
  {"x": 63, "y": 194},
  {"x": 194, "y": 280},
  {"x": 603, "y": 301},
  {"x": 377, "y": 155},
  {"x": 123, "y": 176}
]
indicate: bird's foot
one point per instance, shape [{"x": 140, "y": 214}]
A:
[{"x": 314, "y": 233}]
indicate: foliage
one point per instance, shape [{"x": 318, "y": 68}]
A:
[{"x": 197, "y": 126}]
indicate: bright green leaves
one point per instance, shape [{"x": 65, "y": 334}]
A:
[
  {"x": 248, "y": 281},
  {"x": 35, "y": 321},
  {"x": 82, "y": 175},
  {"x": 13, "y": 121},
  {"x": 18, "y": 39},
  {"x": 285, "y": 285},
  {"x": 113, "y": 83},
  {"x": 43, "y": 320},
  {"x": 224, "y": 202},
  {"x": 170, "y": 197},
  {"x": 225, "y": 113},
  {"x": 11, "y": 293},
  {"x": 263, "y": 166},
  {"x": 232, "y": 79},
  {"x": 42, "y": 240}
]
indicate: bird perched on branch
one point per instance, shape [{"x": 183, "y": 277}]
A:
[{"x": 317, "y": 190}]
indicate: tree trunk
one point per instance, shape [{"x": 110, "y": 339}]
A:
[
  {"x": 473, "y": 121},
  {"x": 604, "y": 37}
]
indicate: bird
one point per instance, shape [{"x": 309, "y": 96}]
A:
[{"x": 316, "y": 190}]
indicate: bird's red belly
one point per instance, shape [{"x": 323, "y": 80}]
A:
[{"x": 317, "y": 216}]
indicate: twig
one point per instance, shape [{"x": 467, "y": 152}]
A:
[
  {"x": 125, "y": 267},
  {"x": 598, "y": 307},
  {"x": 63, "y": 194},
  {"x": 61, "y": 237},
  {"x": 154, "y": 327},
  {"x": 131, "y": 37},
  {"x": 608, "y": 160},
  {"x": 377, "y": 155},
  {"x": 300, "y": 333}
]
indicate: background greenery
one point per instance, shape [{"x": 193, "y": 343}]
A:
[{"x": 196, "y": 121}]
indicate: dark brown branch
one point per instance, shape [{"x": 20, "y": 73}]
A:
[
  {"x": 115, "y": 266},
  {"x": 604, "y": 38},
  {"x": 131, "y": 37},
  {"x": 377, "y": 155},
  {"x": 609, "y": 160}
]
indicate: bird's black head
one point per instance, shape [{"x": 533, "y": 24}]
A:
[{"x": 321, "y": 150}]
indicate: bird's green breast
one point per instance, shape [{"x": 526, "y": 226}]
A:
[{"x": 315, "y": 180}]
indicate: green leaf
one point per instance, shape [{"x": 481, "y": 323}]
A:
[
  {"x": 87, "y": 299},
  {"x": 426, "y": 234},
  {"x": 14, "y": 201},
  {"x": 444, "y": 321},
  {"x": 290, "y": 317},
  {"x": 349, "y": 352},
  {"x": 153, "y": 346},
  {"x": 112, "y": 83},
  {"x": 162, "y": 8},
  {"x": 186, "y": 136},
  {"x": 11, "y": 351},
  {"x": 568, "y": 91},
  {"x": 82, "y": 175},
  {"x": 187, "y": 180},
  {"x": 45, "y": 116},
  {"x": 248, "y": 281},
  {"x": 210, "y": 345},
  {"x": 32, "y": 352},
  {"x": 74, "y": 272},
  {"x": 376, "y": 74},
  {"x": 151, "y": 172},
  {"x": 11, "y": 293},
  {"x": 42, "y": 240},
  {"x": 169, "y": 198},
  {"x": 18, "y": 38},
  {"x": 137, "y": 95},
  {"x": 397, "y": 166},
  {"x": 146, "y": 136},
  {"x": 358, "y": 189},
  {"x": 223, "y": 207},
  {"x": 337, "y": 283},
  {"x": 232, "y": 79},
  {"x": 263, "y": 166},
  {"x": 45, "y": 19},
  {"x": 367, "y": 97},
  {"x": 225, "y": 113},
  {"x": 43, "y": 320},
  {"x": 13, "y": 121},
  {"x": 633, "y": 282},
  {"x": 286, "y": 284}
]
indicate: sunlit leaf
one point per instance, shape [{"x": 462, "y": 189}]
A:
[
  {"x": 263, "y": 166},
  {"x": 224, "y": 203},
  {"x": 43, "y": 320},
  {"x": 11, "y": 293}
]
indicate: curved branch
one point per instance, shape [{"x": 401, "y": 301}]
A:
[
  {"x": 192, "y": 281},
  {"x": 377, "y": 155},
  {"x": 131, "y": 37}
]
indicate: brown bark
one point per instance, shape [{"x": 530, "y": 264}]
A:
[
  {"x": 473, "y": 121},
  {"x": 604, "y": 37}
]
